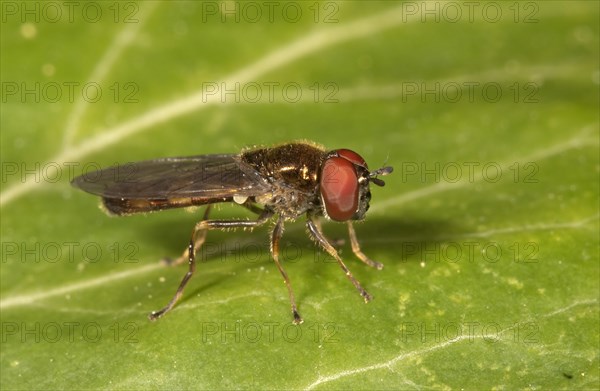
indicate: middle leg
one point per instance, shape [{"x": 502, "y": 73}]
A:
[{"x": 277, "y": 232}]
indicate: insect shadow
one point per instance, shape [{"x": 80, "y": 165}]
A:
[{"x": 394, "y": 241}]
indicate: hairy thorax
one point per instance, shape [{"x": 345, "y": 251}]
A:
[{"x": 293, "y": 172}]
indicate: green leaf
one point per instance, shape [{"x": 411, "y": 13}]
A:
[{"x": 488, "y": 227}]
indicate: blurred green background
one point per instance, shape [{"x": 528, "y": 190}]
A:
[{"x": 488, "y": 227}]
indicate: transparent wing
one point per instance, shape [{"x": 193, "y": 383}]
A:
[{"x": 173, "y": 182}]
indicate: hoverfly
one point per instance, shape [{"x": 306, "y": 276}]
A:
[{"x": 285, "y": 181}]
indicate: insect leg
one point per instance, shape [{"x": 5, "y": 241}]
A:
[
  {"x": 192, "y": 261},
  {"x": 198, "y": 242},
  {"x": 356, "y": 249},
  {"x": 319, "y": 237},
  {"x": 201, "y": 228},
  {"x": 336, "y": 242},
  {"x": 251, "y": 206},
  {"x": 276, "y": 235}
]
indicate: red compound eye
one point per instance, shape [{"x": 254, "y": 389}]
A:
[
  {"x": 339, "y": 187},
  {"x": 352, "y": 156}
]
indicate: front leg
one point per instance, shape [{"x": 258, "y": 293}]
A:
[
  {"x": 357, "y": 251},
  {"x": 316, "y": 233}
]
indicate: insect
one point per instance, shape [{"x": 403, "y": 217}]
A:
[{"x": 285, "y": 181}]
